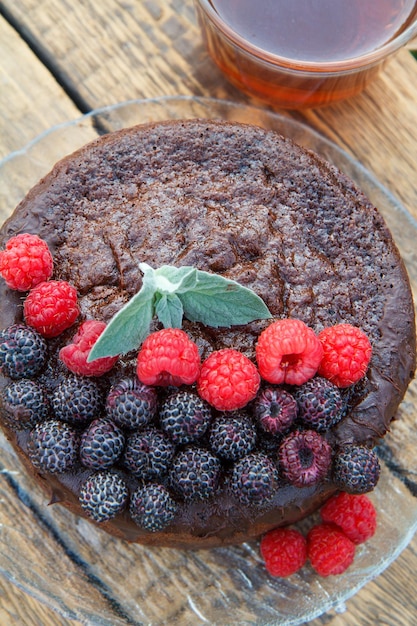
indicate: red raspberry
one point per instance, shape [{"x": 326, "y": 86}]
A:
[
  {"x": 305, "y": 457},
  {"x": 75, "y": 355},
  {"x": 51, "y": 307},
  {"x": 168, "y": 357},
  {"x": 346, "y": 354},
  {"x": 284, "y": 551},
  {"x": 25, "y": 262},
  {"x": 354, "y": 514},
  {"x": 330, "y": 551},
  {"x": 288, "y": 351},
  {"x": 228, "y": 380}
]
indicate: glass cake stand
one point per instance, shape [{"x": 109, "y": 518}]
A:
[{"x": 83, "y": 573}]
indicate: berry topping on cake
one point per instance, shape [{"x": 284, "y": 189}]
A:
[
  {"x": 76, "y": 399},
  {"x": 232, "y": 436},
  {"x": 131, "y": 404},
  {"x": 284, "y": 551},
  {"x": 195, "y": 473},
  {"x": 320, "y": 404},
  {"x": 330, "y": 551},
  {"x": 152, "y": 507},
  {"x": 168, "y": 357},
  {"x": 288, "y": 351},
  {"x": 228, "y": 380},
  {"x": 23, "y": 352},
  {"x": 51, "y": 307},
  {"x": 185, "y": 417},
  {"x": 101, "y": 444},
  {"x": 75, "y": 355},
  {"x": 25, "y": 262},
  {"x": 53, "y": 446},
  {"x": 254, "y": 479},
  {"x": 354, "y": 514},
  {"x": 24, "y": 403},
  {"x": 356, "y": 469},
  {"x": 103, "y": 495},
  {"x": 148, "y": 453},
  {"x": 275, "y": 409},
  {"x": 196, "y": 440},
  {"x": 347, "y": 352},
  {"x": 305, "y": 457}
]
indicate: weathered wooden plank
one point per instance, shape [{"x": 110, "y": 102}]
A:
[
  {"x": 17, "y": 608},
  {"x": 99, "y": 49},
  {"x": 29, "y": 544},
  {"x": 31, "y": 101},
  {"x": 377, "y": 127}
]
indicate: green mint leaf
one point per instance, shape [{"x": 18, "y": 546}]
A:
[
  {"x": 170, "y": 279},
  {"x": 129, "y": 327},
  {"x": 172, "y": 293},
  {"x": 169, "y": 310},
  {"x": 218, "y": 301}
]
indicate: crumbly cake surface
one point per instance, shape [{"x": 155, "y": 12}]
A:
[{"x": 248, "y": 204}]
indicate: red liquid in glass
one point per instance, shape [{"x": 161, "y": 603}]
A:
[{"x": 303, "y": 32}]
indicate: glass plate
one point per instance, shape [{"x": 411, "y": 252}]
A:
[{"x": 85, "y": 574}]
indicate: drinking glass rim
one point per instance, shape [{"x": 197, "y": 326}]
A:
[{"x": 352, "y": 63}]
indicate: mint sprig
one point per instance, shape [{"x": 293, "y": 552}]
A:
[{"x": 172, "y": 293}]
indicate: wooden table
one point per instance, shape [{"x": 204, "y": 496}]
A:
[{"x": 61, "y": 59}]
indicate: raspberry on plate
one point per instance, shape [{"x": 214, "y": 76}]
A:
[
  {"x": 51, "y": 307},
  {"x": 288, "y": 351},
  {"x": 356, "y": 469},
  {"x": 101, "y": 444},
  {"x": 184, "y": 417},
  {"x": 131, "y": 404},
  {"x": 305, "y": 457},
  {"x": 347, "y": 352},
  {"x": 25, "y": 262},
  {"x": 319, "y": 403},
  {"x": 275, "y": 409},
  {"x": 152, "y": 507},
  {"x": 148, "y": 453},
  {"x": 103, "y": 495},
  {"x": 232, "y": 436},
  {"x": 53, "y": 446},
  {"x": 195, "y": 473},
  {"x": 76, "y": 400},
  {"x": 354, "y": 514},
  {"x": 330, "y": 551},
  {"x": 23, "y": 351},
  {"x": 25, "y": 403},
  {"x": 284, "y": 551},
  {"x": 75, "y": 355},
  {"x": 254, "y": 479},
  {"x": 168, "y": 357},
  {"x": 228, "y": 380}
]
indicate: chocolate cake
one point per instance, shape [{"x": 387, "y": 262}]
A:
[{"x": 251, "y": 206}]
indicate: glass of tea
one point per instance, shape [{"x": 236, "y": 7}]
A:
[{"x": 304, "y": 53}]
